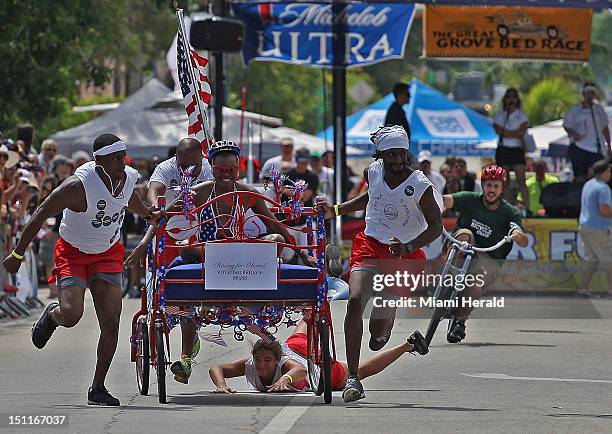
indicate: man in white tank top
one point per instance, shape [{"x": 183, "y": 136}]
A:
[
  {"x": 88, "y": 253},
  {"x": 403, "y": 214}
]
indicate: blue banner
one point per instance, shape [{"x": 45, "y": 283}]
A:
[
  {"x": 302, "y": 33},
  {"x": 593, "y": 4}
]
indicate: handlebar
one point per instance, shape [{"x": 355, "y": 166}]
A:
[{"x": 466, "y": 247}]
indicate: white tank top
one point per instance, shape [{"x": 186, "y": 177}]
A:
[
  {"x": 97, "y": 229},
  {"x": 252, "y": 377},
  {"x": 396, "y": 213}
]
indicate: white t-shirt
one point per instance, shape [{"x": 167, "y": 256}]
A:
[
  {"x": 167, "y": 173},
  {"x": 278, "y": 163},
  {"x": 397, "y": 212},
  {"x": 580, "y": 119},
  {"x": 511, "y": 122},
  {"x": 98, "y": 228}
]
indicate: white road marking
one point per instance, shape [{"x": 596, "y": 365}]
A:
[
  {"x": 509, "y": 377},
  {"x": 288, "y": 416}
]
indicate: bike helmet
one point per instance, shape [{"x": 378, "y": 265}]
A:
[
  {"x": 494, "y": 173},
  {"x": 223, "y": 146}
]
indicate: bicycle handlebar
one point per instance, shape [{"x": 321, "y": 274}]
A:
[{"x": 466, "y": 247}]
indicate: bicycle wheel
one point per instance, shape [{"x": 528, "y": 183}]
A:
[
  {"x": 143, "y": 358},
  {"x": 326, "y": 365},
  {"x": 315, "y": 375},
  {"x": 161, "y": 362}
]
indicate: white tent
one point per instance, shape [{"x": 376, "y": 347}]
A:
[{"x": 154, "y": 119}]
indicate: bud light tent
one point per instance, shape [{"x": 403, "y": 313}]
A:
[{"x": 437, "y": 124}]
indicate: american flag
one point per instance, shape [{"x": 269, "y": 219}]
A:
[
  {"x": 177, "y": 310},
  {"x": 195, "y": 87}
]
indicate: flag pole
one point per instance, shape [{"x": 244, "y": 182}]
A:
[{"x": 187, "y": 49}]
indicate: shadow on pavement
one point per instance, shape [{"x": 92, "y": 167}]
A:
[
  {"x": 490, "y": 344},
  {"x": 416, "y": 406}
]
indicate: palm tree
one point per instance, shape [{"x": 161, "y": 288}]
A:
[{"x": 549, "y": 99}]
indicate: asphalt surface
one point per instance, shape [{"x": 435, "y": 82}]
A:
[{"x": 517, "y": 374}]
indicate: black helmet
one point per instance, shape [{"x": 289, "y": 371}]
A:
[{"x": 223, "y": 146}]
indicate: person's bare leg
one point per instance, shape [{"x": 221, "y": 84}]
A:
[
  {"x": 520, "y": 179},
  {"x": 70, "y": 309},
  {"x": 382, "y": 360},
  {"x": 381, "y": 321},
  {"x": 107, "y": 302},
  {"x": 587, "y": 274},
  {"x": 188, "y": 336},
  {"x": 473, "y": 292},
  {"x": 360, "y": 285}
]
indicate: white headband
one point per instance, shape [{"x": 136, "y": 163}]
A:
[
  {"x": 391, "y": 138},
  {"x": 115, "y": 147},
  {"x": 589, "y": 87}
]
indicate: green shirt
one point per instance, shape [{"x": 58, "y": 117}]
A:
[
  {"x": 534, "y": 188},
  {"x": 488, "y": 226}
]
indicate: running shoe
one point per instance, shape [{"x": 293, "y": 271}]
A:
[
  {"x": 377, "y": 344},
  {"x": 457, "y": 331},
  {"x": 98, "y": 395},
  {"x": 353, "y": 390},
  {"x": 44, "y": 327},
  {"x": 182, "y": 369},
  {"x": 417, "y": 340},
  {"x": 196, "y": 347}
]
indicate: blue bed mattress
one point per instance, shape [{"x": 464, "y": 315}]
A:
[{"x": 285, "y": 291}]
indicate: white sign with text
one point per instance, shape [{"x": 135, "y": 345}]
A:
[{"x": 240, "y": 266}]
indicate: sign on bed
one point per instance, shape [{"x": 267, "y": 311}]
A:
[{"x": 241, "y": 266}]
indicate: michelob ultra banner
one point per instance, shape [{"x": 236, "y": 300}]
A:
[
  {"x": 472, "y": 32},
  {"x": 301, "y": 33}
]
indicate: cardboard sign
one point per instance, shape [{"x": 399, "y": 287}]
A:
[
  {"x": 471, "y": 32},
  {"x": 240, "y": 266}
]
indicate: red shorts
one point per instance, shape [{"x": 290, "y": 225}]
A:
[
  {"x": 71, "y": 262},
  {"x": 370, "y": 253},
  {"x": 298, "y": 342}
]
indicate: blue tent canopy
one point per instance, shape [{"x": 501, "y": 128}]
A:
[{"x": 437, "y": 124}]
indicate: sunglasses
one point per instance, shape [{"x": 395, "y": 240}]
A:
[{"x": 226, "y": 169}]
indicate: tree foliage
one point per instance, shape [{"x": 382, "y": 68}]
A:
[
  {"x": 549, "y": 99},
  {"x": 50, "y": 48}
]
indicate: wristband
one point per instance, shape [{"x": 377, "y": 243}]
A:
[
  {"x": 337, "y": 210},
  {"x": 289, "y": 377},
  {"x": 17, "y": 255}
]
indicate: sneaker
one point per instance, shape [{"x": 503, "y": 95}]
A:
[
  {"x": 196, "y": 347},
  {"x": 353, "y": 390},
  {"x": 417, "y": 340},
  {"x": 98, "y": 395},
  {"x": 44, "y": 327},
  {"x": 457, "y": 331},
  {"x": 377, "y": 344},
  {"x": 182, "y": 370}
]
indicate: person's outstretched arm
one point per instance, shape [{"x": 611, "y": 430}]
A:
[
  {"x": 219, "y": 373},
  {"x": 70, "y": 194}
]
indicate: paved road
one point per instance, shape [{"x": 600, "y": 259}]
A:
[{"x": 510, "y": 375}]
